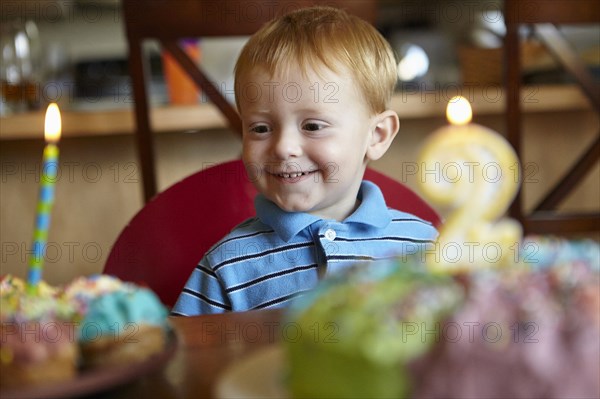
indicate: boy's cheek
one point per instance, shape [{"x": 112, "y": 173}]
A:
[
  {"x": 253, "y": 171},
  {"x": 250, "y": 152}
]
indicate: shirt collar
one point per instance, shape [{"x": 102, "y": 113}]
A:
[
  {"x": 285, "y": 224},
  {"x": 371, "y": 211}
]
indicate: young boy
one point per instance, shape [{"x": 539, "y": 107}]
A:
[{"x": 312, "y": 89}]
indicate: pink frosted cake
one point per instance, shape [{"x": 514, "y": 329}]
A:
[{"x": 526, "y": 334}]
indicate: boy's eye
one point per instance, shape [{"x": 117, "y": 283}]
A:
[
  {"x": 259, "y": 129},
  {"x": 313, "y": 126}
]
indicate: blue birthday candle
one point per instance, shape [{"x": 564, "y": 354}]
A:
[{"x": 49, "y": 175}]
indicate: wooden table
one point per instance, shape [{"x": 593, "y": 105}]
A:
[{"x": 207, "y": 345}]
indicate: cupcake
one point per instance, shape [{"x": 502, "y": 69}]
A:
[
  {"x": 38, "y": 343},
  {"x": 122, "y": 322}
]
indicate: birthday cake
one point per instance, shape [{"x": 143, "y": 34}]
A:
[
  {"x": 396, "y": 330},
  {"x": 92, "y": 322},
  {"x": 529, "y": 333},
  {"x": 356, "y": 330}
]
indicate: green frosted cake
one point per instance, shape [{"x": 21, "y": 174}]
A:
[{"x": 359, "y": 328}]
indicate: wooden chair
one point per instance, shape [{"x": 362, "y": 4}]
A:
[
  {"x": 544, "y": 16},
  {"x": 169, "y": 21},
  {"x": 167, "y": 238}
]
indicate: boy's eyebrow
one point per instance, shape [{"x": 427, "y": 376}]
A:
[
  {"x": 311, "y": 109},
  {"x": 314, "y": 109},
  {"x": 260, "y": 111}
]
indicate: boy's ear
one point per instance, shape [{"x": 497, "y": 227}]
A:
[{"x": 385, "y": 127}]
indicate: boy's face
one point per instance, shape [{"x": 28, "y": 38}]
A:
[{"x": 305, "y": 140}]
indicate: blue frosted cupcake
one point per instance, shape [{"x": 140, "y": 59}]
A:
[{"x": 122, "y": 322}]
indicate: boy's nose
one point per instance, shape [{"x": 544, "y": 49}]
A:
[{"x": 287, "y": 144}]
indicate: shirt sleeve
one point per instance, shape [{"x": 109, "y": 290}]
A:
[{"x": 203, "y": 293}]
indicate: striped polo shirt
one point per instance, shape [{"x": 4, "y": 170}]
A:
[{"x": 271, "y": 258}]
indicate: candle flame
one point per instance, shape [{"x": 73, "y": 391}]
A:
[
  {"x": 52, "y": 125},
  {"x": 459, "y": 111}
]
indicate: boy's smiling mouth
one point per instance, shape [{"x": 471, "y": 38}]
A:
[{"x": 292, "y": 177}]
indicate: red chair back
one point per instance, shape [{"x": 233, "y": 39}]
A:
[{"x": 169, "y": 235}]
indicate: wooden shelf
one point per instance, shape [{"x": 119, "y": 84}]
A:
[
  {"x": 409, "y": 105},
  {"x": 111, "y": 122}
]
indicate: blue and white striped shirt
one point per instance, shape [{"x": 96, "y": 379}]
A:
[{"x": 271, "y": 258}]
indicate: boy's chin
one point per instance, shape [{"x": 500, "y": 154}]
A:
[
  {"x": 287, "y": 207},
  {"x": 313, "y": 210},
  {"x": 291, "y": 205}
]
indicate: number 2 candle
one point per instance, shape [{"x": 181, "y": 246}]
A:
[
  {"x": 470, "y": 171},
  {"x": 49, "y": 174}
]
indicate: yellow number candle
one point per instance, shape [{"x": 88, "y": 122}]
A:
[
  {"x": 49, "y": 174},
  {"x": 469, "y": 170}
]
